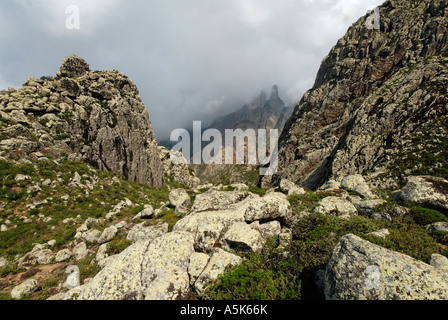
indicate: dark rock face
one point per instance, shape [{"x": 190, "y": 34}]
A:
[
  {"x": 374, "y": 91},
  {"x": 94, "y": 116}
]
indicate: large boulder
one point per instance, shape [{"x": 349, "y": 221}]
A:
[
  {"x": 290, "y": 188},
  {"x": 357, "y": 183},
  {"x": 219, "y": 200},
  {"x": 24, "y": 289},
  {"x": 273, "y": 206},
  {"x": 360, "y": 270},
  {"x": 336, "y": 206},
  {"x": 142, "y": 232},
  {"x": 152, "y": 270},
  {"x": 208, "y": 226},
  {"x": 217, "y": 264},
  {"x": 108, "y": 234},
  {"x": 227, "y": 209},
  {"x": 241, "y": 236},
  {"x": 39, "y": 256},
  {"x": 425, "y": 191},
  {"x": 179, "y": 199}
]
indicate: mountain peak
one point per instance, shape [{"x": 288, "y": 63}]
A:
[
  {"x": 274, "y": 92},
  {"x": 94, "y": 116}
]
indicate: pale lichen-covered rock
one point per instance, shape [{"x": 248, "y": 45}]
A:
[
  {"x": 383, "y": 233},
  {"x": 165, "y": 267},
  {"x": 207, "y": 226},
  {"x": 146, "y": 213},
  {"x": 218, "y": 262},
  {"x": 24, "y": 289},
  {"x": 108, "y": 234},
  {"x": 198, "y": 262},
  {"x": 102, "y": 254},
  {"x": 39, "y": 256},
  {"x": 425, "y": 191},
  {"x": 154, "y": 270},
  {"x": 357, "y": 183},
  {"x": 360, "y": 270},
  {"x": 92, "y": 236},
  {"x": 242, "y": 237},
  {"x": 141, "y": 232},
  {"x": 267, "y": 230},
  {"x": 219, "y": 200},
  {"x": 120, "y": 279},
  {"x": 80, "y": 251},
  {"x": 273, "y": 206},
  {"x": 290, "y": 188},
  {"x": 336, "y": 206},
  {"x": 366, "y": 207},
  {"x": 174, "y": 166},
  {"x": 437, "y": 226},
  {"x": 439, "y": 261},
  {"x": 180, "y": 199},
  {"x": 4, "y": 263},
  {"x": 63, "y": 255}
]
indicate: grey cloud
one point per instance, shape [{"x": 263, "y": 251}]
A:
[{"x": 191, "y": 59}]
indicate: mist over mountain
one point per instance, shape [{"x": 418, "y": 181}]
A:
[{"x": 191, "y": 59}]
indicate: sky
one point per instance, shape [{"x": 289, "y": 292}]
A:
[{"x": 191, "y": 59}]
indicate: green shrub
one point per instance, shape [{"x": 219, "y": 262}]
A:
[
  {"x": 118, "y": 245},
  {"x": 257, "y": 190},
  {"x": 424, "y": 216},
  {"x": 259, "y": 277},
  {"x": 271, "y": 275},
  {"x": 88, "y": 269},
  {"x": 441, "y": 237}
]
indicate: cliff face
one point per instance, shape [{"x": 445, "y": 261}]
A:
[
  {"x": 376, "y": 93},
  {"x": 94, "y": 116}
]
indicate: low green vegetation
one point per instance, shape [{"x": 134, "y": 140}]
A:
[
  {"x": 273, "y": 274},
  {"x": 60, "y": 199}
]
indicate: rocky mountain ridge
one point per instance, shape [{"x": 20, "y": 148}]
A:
[
  {"x": 92, "y": 116},
  {"x": 261, "y": 113},
  {"x": 376, "y": 93},
  {"x": 380, "y": 233}
]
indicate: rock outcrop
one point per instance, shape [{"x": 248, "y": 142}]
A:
[
  {"x": 425, "y": 191},
  {"x": 163, "y": 265},
  {"x": 377, "y": 95},
  {"x": 94, "y": 116},
  {"x": 360, "y": 270}
]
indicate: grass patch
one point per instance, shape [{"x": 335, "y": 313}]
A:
[{"x": 118, "y": 245}]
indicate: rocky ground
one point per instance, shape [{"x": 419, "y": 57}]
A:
[
  {"x": 92, "y": 208},
  {"x": 217, "y": 242}
]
